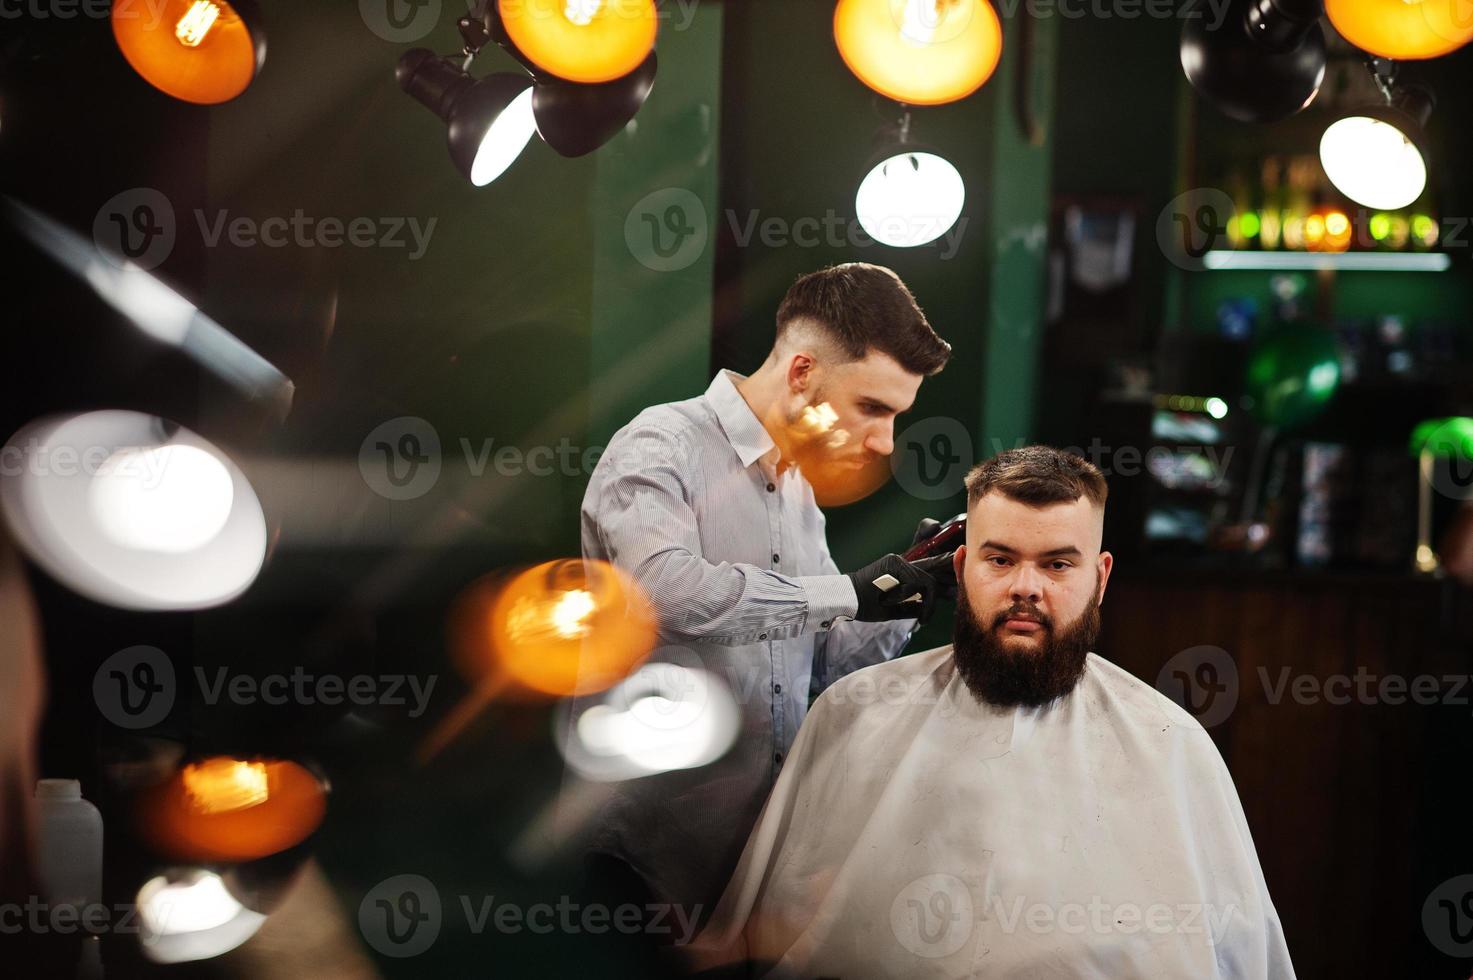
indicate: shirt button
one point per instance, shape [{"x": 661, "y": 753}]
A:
[
  {"x": 778, "y": 757},
  {"x": 761, "y": 636},
  {"x": 771, "y": 487},
  {"x": 776, "y": 559},
  {"x": 826, "y": 623},
  {"x": 777, "y": 689}
]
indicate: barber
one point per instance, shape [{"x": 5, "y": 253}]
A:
[{"x": 709, "y": 505}]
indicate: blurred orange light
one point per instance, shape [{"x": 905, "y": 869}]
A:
[
  {"x": 1293, "y": 231},
  {"x": 1403, "y": 29},
  {"x": 1337, "y": 232},
  {"x": 571, "y": 627},
  {"x": 226, "y": 809},
  {"x": 839, "y": 471},
  {"x": 201, "y": 51},
  {"x": 218, "y": 785},
  {"x": 582, "y": 40},
  {"x": 920, "y": 52},
  {"x": 1314, "y": 231}
]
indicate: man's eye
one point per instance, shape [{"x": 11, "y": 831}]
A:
[
  {"x": 1060, "y": 566},
  {"x": 998, "y": 561}
]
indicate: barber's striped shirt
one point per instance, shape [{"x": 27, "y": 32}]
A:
[{"x": 734, "y": 559}]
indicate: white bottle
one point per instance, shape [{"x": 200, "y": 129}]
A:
[{"x": 71, "y": 845}]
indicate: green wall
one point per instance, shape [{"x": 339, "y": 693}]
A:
[{"x": 528, "y": 319}]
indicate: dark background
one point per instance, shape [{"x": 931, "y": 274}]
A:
[{"x": 529, "y": 320}]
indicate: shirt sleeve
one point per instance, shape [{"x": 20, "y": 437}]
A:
[{"x": 638, "y": 515}]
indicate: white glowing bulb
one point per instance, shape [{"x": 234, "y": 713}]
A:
[
  {"x": 656, "y": 734},
  {"x": 919, "y": 20},
  {"x": 196, "y": 23},
  {"x": 194, "y": 918},
  {"x": 910, "y": 199},
  {"x": 170, "y": 907},
  {"x": 169, "y": 499},
  {"x": 1372, "y": 163},
  {"x": 582, "y": 12},
  {"x": 1216, "y": 407},
  {"x": 504, "y": 141},
  {"x": 570, "y": 615}
]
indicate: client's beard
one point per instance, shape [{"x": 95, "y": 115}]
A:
[{"x": 1007, "y": 677}]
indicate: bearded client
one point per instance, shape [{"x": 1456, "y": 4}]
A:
[{"x": 1011, "y": 805}]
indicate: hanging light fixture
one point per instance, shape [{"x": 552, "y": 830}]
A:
[
  {"x": 1403, "y": 29},
  {"x": 133, "y": 511},
  {"x": 201, "y": 51},
  {"x": 226, "y": 809},
  {"x": 911, "y": 195},
  {"x": 920, "y": 52},
  {"x": 1264, "y": 61},
  {"x": 491, "y": 120},
  {"x": 1376, "y": 155}
]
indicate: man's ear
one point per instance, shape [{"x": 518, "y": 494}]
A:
[
  {"x": 959, "y": 561},
  {"x": 800, "y": 372},
  {"x": 1107, "y": 562}
]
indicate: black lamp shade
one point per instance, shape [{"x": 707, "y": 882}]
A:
[
  {"x": 575, "y": 118},
  {"x": 469, "y": 107},
  {"x": 1265, "y": 60}
]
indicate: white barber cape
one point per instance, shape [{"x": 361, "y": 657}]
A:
[{"x": 915, "y": 832}]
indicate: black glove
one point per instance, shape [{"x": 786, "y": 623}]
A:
[{"x": 893, "y": 588}]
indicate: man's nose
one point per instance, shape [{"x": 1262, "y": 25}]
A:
[
  {"x": 881, "y": 439},
  {"x": 1027, "y": 584}
]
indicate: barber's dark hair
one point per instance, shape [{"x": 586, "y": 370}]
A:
[
  {"x": 1037, "y": 475},
  {"x": 863, "y": 308}
]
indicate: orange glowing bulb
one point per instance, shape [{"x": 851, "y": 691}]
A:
[
  {"x": 201, "y": 51},
  {"x": 226, "y": 809},
  {"x": 571, "y": 627},
  {"x": 582, "y": 40},
  {"x": 1314, "y": 230},
  {"x": 1403, "y": 29},
  {"x": 920, "y": 52}
]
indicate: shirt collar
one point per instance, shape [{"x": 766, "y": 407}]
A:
[{"x": 744, "y": 430}]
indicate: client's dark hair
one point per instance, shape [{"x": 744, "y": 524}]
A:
[{"x": 1037, "y": 475}]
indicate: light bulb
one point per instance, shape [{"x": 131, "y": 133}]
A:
[
  {"x": 171, "y": 499},
  {"x": 1372, "y": 162},
  {"x": 504, "y": 141},
  {"x": 196, "y": 23},
  {"x": 910, "y": 199}
]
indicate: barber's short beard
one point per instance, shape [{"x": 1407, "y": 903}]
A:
[{"x": 1030, "y": 675}]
